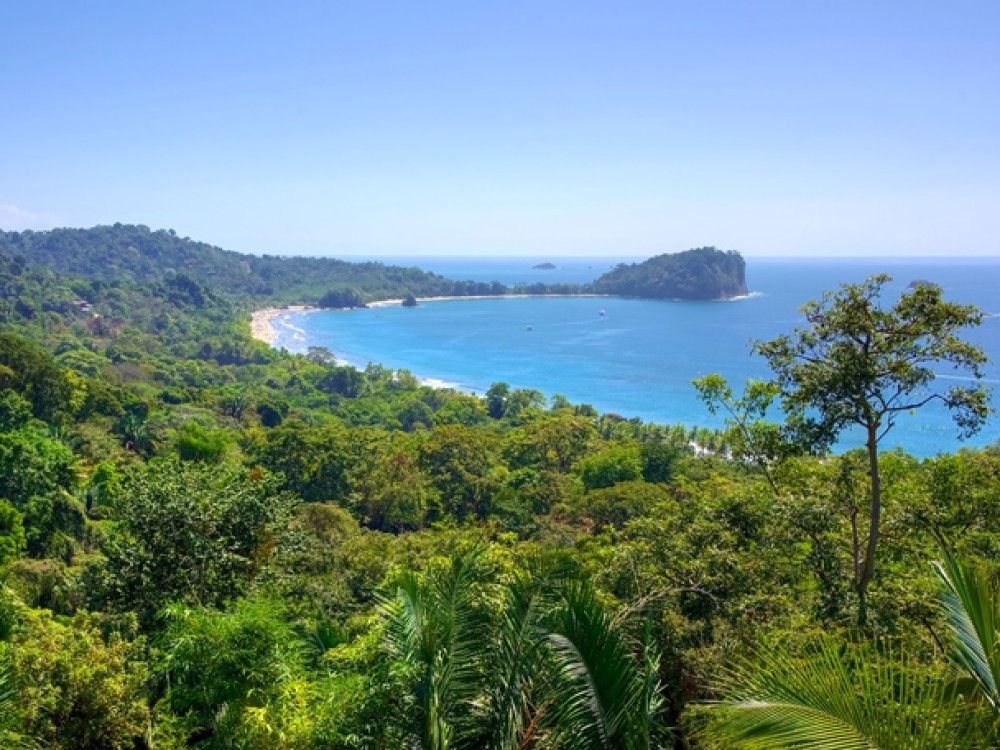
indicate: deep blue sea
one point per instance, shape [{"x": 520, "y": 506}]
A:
[{"x": 632, "y": 357}]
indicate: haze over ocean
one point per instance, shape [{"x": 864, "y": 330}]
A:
[{"x": 638, "y": 359}]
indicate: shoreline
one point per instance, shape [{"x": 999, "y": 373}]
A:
[
  {"x": 260, "y": 321},
  {"x": 261, "y": 327}
]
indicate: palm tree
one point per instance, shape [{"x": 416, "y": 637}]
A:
[
  {"x": 603, "y": 698},
  {"x": 135, "y": 433},
  {"x": 512, "y": 712},
  {"x": 549, "y": 668},
  {"x": 431, "y": 624},
  {"x": 838, "y": 696}
]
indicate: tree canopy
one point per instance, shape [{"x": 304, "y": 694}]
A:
[
  {"x": 700, "y": 273},
  {"x": 861, "y": 364},
  {"x": 206, "y": 542}
]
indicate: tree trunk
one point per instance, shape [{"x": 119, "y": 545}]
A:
[{"x": 868, "y": 569}]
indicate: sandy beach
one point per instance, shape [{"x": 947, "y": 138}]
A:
[
  {"x": 260, "y": 323},
  {"x": 262, "y": 329}
]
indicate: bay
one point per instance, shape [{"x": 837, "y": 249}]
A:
[{"x": 632, "y": 357}]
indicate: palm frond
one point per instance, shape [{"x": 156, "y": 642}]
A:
[
  {"x": 839, "y": 697},
  {"x": 514, "y": 664},
  {"x": 433, "y": 624},
  {"x": 652, "y": 698},
  {"x": 407, "y": 631},
  {"x": 598, "y": 696},
  {"x": 8, "y": 694},
  {"x": 972, "y": 606},
  {"x": 463, "y": 640}
]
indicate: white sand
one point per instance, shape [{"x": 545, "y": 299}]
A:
[{"x": 260, "y": 323}]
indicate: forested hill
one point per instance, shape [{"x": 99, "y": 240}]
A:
[
  {"x": 701, "y": 273},
  {"x": 137, "y": 253},
  {"x": 212, "y": 543}
]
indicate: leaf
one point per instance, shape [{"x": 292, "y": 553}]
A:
[
  {"x": 838, "y": 698},
  {"x": 972, "y": 607}
]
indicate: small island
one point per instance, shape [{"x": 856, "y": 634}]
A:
[
  {"x": 544, "y": 267},
  {"x": 703, "y": 273}
]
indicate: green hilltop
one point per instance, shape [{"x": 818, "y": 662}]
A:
[
  {"x": 130, "y": 252},
  {"x": 137, "y": 253},
  {"x": 701, "y": 273}
]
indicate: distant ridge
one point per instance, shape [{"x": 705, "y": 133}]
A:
[{"x": 135, "y": 252}]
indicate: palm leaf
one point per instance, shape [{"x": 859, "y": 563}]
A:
[
  {"x": 972, "y": 608},
  {"x": 463, "y": 640},
  {"x": 837, "y": 697},
  {"x": 515, "y": 664},
  {"x": 409, "y": 631},
  {"x": 652, "y": 698},
  {"x": 434, "y": 625},
  {"x": 597, "y": 699},
  {"x": 8, "y": 695}
]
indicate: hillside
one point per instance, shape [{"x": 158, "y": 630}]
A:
[
  {"x": 702, "y": 273},
  {"x": 136, "y": 253},
  {"x": 230, "y": 530}
]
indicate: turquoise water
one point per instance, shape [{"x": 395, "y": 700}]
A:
[{"x": 637, "y": 358}]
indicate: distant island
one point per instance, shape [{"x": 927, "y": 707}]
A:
[
  {"x": 703, "y": 273},
  {"x": 545, "y": 267}
]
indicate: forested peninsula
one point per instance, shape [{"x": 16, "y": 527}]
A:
[
  {"x": 703, "y": 273},
  {"x": 136, "y": 253},
  {"x": 206, "y": 542}
]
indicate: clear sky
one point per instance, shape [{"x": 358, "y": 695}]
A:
[{"x": 540, "y": 127}]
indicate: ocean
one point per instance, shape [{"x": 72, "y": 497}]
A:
[{"x": 634, "y": 357}]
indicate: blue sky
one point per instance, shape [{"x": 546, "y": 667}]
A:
[{"x": 540, "y": 128}]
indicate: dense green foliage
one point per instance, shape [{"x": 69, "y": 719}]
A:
[
  {"x": 134, "y": 253},
  {"x": 862, "y": 364},
  {"x": 700, "y": 273},
  {"x": 865, "y": 696},
  {"x": 208, "y": 543}
]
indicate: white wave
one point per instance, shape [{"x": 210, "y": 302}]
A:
[
  {"x": 290, "y": 327},
  {"x": 741, "y": 297}
]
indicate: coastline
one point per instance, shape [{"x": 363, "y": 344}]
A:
[
  {"x": 261, "y": 327},
  {"x": 260, "y": 322},
  {"x": 456, "y": 298}
]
